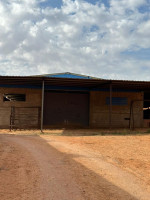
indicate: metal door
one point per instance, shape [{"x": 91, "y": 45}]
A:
[{"x": 66, "y": 109}]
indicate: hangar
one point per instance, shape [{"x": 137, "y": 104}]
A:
[{"x": 67, "y": 100}]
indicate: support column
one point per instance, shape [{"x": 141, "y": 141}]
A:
[
  {"x": 42, "y": 106},
  {"x": 110, "y": 106}
]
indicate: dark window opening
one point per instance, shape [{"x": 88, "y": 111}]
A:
[
  {"x": 117, "y": 101},
  {"x": 14, "y": 97}
]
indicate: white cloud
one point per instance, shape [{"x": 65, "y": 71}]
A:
[
  {"x": 79, "y": 37},
  {"x": 121, "y": 6}
]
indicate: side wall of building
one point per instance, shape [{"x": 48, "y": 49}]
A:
[
  {"x": 99, "y": 110},
  {"x": 29, "y": 115}
]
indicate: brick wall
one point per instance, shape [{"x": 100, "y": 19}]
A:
[
  {"x": 99, "y": 110},
  {"x": 33, "y": 98}
]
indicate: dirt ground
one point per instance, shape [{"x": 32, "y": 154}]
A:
[{"x": 46, "y": 167}]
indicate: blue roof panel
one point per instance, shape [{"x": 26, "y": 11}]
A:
[{"x": 68, "y": 75}]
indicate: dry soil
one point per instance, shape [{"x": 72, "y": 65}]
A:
[{"x": 74, "y": 168}]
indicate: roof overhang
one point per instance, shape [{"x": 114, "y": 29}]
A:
[{"x": 71, "y": 82}]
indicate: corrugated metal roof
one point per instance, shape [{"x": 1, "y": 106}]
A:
[
  {"x": 67, "y": 75},
  {"x": 74, "y": 82}
]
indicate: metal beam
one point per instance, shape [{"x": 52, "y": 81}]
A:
[
  {"x": 110, "y": 106},
  {"x": 99, "y": 85},
  {"x": 42, "y": 106}
]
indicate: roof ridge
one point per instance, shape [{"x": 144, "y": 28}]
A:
[{"x": 67, "y": 73}]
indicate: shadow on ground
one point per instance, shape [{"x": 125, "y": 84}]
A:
[{"x": 66, "y": 172}]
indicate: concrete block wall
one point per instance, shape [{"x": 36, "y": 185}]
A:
[
  {"x": 33, "y": 98},
  {"x": 99, "y": 110}
]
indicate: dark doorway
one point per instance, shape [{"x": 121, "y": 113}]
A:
[
  {"x": 66, "y": 109},
  {"x": 146, "y": 106}
]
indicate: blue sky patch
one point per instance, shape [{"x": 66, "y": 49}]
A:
[
  {"x": 51, "y": 3},
  {"x": 142, "y": 54},
  {"x": 145, "y": 68},
  {"x": 144, "y": 9},
  {"x": 92, "y": 1},
  {"x": 59, "y": 3},
  {"x": 105, "y": 2},
  {"x": 94, "y": 28}
]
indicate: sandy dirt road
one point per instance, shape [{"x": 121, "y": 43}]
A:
[{"x": 63, "y": 168}]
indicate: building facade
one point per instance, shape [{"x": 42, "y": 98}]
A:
[{"x": 73, "y": 101}]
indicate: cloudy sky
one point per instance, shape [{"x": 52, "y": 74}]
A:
[{"x": 102, "y": 38}]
